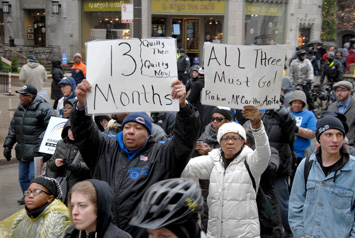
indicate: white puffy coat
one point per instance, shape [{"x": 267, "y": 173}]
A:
[{"x": 232, "y": 199}]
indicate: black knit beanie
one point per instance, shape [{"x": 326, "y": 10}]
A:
[
  {"x": 189, "y": 229},
  {"x": 225, "y": 112},
  {"x": 327, "y": 123},
  {"x": 50, "y": 184}
]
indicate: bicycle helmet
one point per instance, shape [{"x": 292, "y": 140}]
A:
[
  {"x": 171, "y": 201},
  {"x": 196, "y": 60},
  {"x": 330, "y": 55},
  {"x": 301, "y": 52}
]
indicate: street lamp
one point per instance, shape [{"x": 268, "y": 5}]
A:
[
  {"x": 55, "y": 7},
  {"x": 6, "y": 7}
]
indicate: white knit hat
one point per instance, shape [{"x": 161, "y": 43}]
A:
[{"x": 230, "y": 127}]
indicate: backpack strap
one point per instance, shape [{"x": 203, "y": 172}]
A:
[
  {"x": 307, "y": 167},
  {"x": 251, "y": 176}
]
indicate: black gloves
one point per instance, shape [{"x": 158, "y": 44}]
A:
[
  {"x": 74, "y": 167},
  {"x": 7, "y": 153}
]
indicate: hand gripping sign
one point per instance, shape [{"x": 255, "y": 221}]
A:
[
  {"x": 131, "y": 75},
  {"x": 243, "y": 75}
]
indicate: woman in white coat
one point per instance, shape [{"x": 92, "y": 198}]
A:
[{"x": 232, "y": 204}]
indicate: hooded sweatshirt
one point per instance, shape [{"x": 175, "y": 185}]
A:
[
  {"x": 33, "y": 73},
  {"x": 104, "y": 226}
]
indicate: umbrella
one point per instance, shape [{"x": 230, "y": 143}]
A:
[{"x": 311, "y": 43}]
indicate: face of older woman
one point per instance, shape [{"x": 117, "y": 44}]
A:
[
  {"x": 36, "y": 196},
  {"x": 231, "y": 144}
]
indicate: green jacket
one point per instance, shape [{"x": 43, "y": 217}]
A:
[{"x": 52, "y": 222}]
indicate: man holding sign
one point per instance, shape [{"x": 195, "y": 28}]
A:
[{"x": 132, "y": 161}]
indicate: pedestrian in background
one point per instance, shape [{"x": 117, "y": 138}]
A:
[
  {"x": 33, "y": 73},
  {"x": 27, "y": 127},
  {"x": 44, "y": 214},
  {"x": 90, "y": 203},
  {"x": 57, "y": 75},
  {"x": 183, "y": 66},
  {"x": 78, "y": 71}
]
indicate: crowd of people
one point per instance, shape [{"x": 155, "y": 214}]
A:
[{"x": 203, "y": 171}]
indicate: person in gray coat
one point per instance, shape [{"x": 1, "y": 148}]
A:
[{"x": 345, "y": 104}]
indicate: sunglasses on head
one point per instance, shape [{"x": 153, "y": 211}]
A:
[{"x": 218, "y": 119}]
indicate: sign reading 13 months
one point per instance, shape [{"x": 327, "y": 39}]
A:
[
  {"x": 131, "y": 75},
  {"x": 243, "y": 75}
]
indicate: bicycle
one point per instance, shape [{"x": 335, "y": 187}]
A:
[{"x": 322, "y": 97}]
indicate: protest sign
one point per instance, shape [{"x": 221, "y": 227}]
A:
[
  {"x": 131, "y": 75},
  {"x": 243, "y": 75},
  {"x": 53, "y": 135}
]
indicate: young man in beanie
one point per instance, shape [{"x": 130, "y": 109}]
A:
[
  {"x": 33, "y": 73},
  {"x": 305, "y": 125},
  {"x": 131, "y": 162},
  {"x": 345, "y": 104},
  {"x": 30, "y": 120},
  {"x": 44, "y": 214},
  {"x": 78, "y": 71},
  {"x": 322, "y": 204}
]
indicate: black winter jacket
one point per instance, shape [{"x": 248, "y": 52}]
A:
[
  {"x": 280, "y": 127},
  {"x": 57, "y": 75},
  {"x": 27, "y": 128},
  {"x": 333, "y": 71},
  {"x": 129, "y": 179},
  {"x": 67, "y": 151}
]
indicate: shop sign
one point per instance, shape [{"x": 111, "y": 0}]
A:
[
  {"x": 132, "y": 75},
  {"x": 239, "y": 75},
  {"x": 176, "y": 6},
  {"x": 127, "y": 13},
  {"x": 103, "y": 5},
  {"x": 263, "y": 9}
]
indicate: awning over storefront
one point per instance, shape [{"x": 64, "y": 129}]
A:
[{"x": 33, "y": 4}]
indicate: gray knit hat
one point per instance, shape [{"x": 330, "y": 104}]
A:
[{"x": 298, "y": 95}]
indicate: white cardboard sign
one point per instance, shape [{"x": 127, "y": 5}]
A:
[
  {"x": 238, "y": 75},
  {"x": 53, "y": 135},
  {"x": 131, "y": 75}
]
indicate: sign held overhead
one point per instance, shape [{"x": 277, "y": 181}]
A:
[
  {"x": 243, "y": 75},
  {"x": 131, "y": 75}
]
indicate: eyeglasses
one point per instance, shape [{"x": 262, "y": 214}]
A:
[
  {"x": 218, "y": 119},
  {"x": 341, "y": 90},
  {"x": 234, "y": 139},
  {"x": 35, "y": 192},
  {"x": 67, "y": 109}
]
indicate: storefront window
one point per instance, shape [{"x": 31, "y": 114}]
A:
[
  {"x": 214, "y": 29},
  {"x": 264, "y": 23},
  {"x": 158, "y": 26},
  {"x": 102, "y": 20}
]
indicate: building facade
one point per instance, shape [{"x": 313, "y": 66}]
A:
[{"x": 70, "y": 23}]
